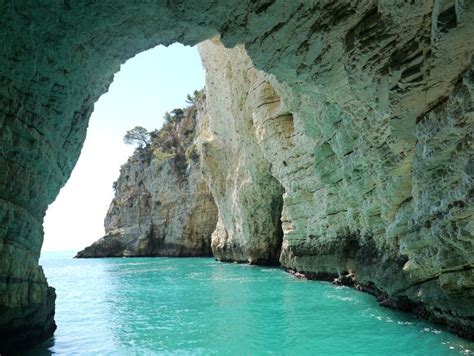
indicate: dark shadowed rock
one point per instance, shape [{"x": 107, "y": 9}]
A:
[{"x": 109, "y": 246}]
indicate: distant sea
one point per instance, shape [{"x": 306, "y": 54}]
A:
[{"x": 184, "y": 306}]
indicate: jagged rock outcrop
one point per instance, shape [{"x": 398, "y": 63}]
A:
[
  {"x": 362, "y": 206},
  {"x": 371, "y": 86},
  {"x": 249, "y": 198},
  {"x": 162, "y": 204}
]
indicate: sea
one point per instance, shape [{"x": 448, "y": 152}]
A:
[{"x": 198, "y": 306}]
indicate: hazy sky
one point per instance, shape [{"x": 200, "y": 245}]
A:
[{"x": 147, "y": 86}]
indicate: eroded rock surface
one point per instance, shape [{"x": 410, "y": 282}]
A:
[
  {"x": 371, "y": 86},
  {"x": 162, "y": 204},
  {"x": 249, "y": 198},
  {"x": 362, "y": 205}
]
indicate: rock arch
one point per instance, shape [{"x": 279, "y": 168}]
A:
[{"x": 385, "y": 69}]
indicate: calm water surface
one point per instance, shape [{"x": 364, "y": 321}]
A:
[{"x": 198, "y": 306}]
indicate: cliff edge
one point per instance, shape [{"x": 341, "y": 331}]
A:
[{"x": 162, "y": 205}]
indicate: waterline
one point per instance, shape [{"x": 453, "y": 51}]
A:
[{"x": 199, "y": 306}]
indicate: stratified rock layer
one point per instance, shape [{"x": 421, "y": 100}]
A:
[
  {"x": 249, "y": 198},
  {"x": 371, "y": 86},
  {"x": 162, "y": 204},
  {"x": 361, "y": 206}
]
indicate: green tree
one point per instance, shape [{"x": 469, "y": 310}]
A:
[
  {"x": 137, "y": 136},
  {"x": 178, "y": 115},
  {"x": 195, "y": 97},
  {"x": 168, "y": 118},
  {"x": 190, "y": 99}
]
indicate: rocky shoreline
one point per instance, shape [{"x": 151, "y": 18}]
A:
[
  {"x": 279, "y": 204},
  {"x": 162, "y": 204},
  {"x": 336, "y": 137},
  {"x": 384, "y": 300}
]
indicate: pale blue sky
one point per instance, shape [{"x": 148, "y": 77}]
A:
[{"x": 147, "y": 86}]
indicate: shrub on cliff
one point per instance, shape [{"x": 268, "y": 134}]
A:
[
  {"x": 192, "y": 153},
  {"x": 174, "y": 116},
  {"x": 161, "y": 155},
  {"x": 171, "y": 141},
  {"x": 196, "y": 97},
  {"x": 167, "y": 118}
]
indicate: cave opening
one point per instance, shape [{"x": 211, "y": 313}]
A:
[
  {"x": 59, "y": 58},
  {"x": 147, "y": 86},
  {"x": 139, "y": 194}
]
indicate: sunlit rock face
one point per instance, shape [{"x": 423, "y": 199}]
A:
[
  {"x": 363, "y": 206},
  {"x": 249, "y": 198},
  {"x": 162, "y": 204},
  {"x": 380, "y": 94}
]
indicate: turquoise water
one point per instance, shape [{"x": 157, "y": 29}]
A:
[{"x": 199, "y": 306}]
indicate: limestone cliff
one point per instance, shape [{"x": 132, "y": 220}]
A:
[
  {"x": 162, "y": 205},
  {"x": 248, "y": 197},
  {"x": 366, "y": 123},
  {"x": 362, "y": 205}
]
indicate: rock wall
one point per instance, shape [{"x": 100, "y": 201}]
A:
[
  {"x": 374, "y": 74},
  {"x": 162, "y": 204},
  {"x": 362, "y": 206},
  {"x": 249, "y": 198}
]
